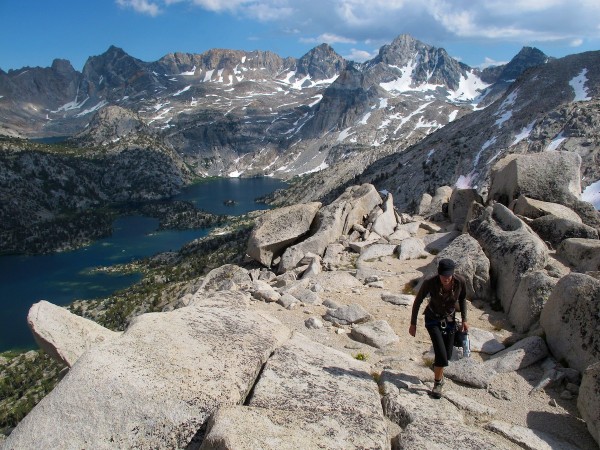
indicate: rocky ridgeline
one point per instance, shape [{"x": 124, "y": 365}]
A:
[
  {"x": 214, "y": 370},
  {"x": 255, "y": 113}
]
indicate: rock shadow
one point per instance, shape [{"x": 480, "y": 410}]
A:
[
  {"x": 567, "y": 427},
  {"x": 341, "y": 372}
]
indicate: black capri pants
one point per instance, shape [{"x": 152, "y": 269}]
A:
[{"x": 442, "y": 340}]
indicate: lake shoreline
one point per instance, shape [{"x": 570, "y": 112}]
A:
[
  {"x": 77, "y": 229},
  {"x": 94, "y": 271}
]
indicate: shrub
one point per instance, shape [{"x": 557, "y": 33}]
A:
[{"x": 361, "y": 356}]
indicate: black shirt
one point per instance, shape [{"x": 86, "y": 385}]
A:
[{"x": 442, "y": 303}]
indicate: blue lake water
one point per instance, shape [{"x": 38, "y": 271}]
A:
[{"x": 64, "y": 277}]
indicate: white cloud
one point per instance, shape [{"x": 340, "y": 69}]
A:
[
  {"x": 221, "y": 5},
  {"x": 141, "y": 6},
  {"x": 267, "y": 13},
  {"x": 437, "y": 22},
  {"x": 359, "y": 55},
  {"x": 329, "y": 38},
  {"x": 488, "y": 62}
]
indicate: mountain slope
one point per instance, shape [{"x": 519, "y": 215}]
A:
[
  {"x": 554, "y": 106},
  {"x": 56, "y": 191},
  {"x": 229, "y": 112}
]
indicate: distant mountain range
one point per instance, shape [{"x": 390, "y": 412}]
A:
[
  {"x": 409, "y": 120},
  {"x": 230, "y": 112}
]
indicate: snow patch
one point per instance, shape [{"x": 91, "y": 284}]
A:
[
  {"x": 162, "y": 115},
  {"x": 187, "y": 88},
  {"x": 365, "y": 118},
  {"x": 326, "y": 81},
  {"x": 93, "y": 108},
  {"x": 71, "y": 105},
  {"x": 591, "y": 194},
  {"x": 288, "y": 76},
  {"x": 578, "y": 85},
  {"x": 208, "y": 75},
  {"x": 464, "y": 182},
  {"x": 469, "y": 88},
  {"x": 485, "y": 145},
  {"x": 502, "y": 114},
  {"x": 503, "y": 118},
  {"x": 424, "y": 124},
  {"x": 524, "y": 134},
  {"x": 402, "y": 83},
  {"x": 552, "y": 146},
  {"x": 407, "y": 118},
  {"x": 234, "y": 174},
  {"x": 190, "y": 72},
  {"x": 318, "y": 99},
  {"x": 320, "y": 167},
  {"x": 509, "y": 101},
  {"x": 383, "y": 102},
  {"x": 429, "y": 155},
  {"x": 344, "y": 134},
  {"x": 160, "y": 105},
  {"x": 452, "y": 115},
  {"x": 298, "y": 83}
]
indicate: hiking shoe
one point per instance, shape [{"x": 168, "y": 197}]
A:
[{"x": 436, "y": 392}]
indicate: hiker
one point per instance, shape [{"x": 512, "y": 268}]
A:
[{"x": 447, "y": 293}]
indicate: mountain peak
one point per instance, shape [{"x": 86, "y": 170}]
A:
[
  {"x": 321, "y": 62},
  {"x": 114, "y": 50},
  {"x": 526, "y": 58},
  {"x": 108, "y": 125},
  {"x": 401, "y": 50},
  {"x": 405, "y": 39},
  {"x": 62, "y": 66},
  {"x": 323, "y": 50}
]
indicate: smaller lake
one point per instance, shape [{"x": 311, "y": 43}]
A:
[
  {"x": 211, "y": 195},
  {"x": 61, "y": 278}
]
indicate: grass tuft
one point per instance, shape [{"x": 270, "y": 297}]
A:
[{"x": 409, "y": 288}]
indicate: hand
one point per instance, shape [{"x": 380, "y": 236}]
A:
[
  {"x": 412, "y": 330},
  {"x": 465, "y": 327}
]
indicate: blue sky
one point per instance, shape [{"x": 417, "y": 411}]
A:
[{"x": 34, "y": 32}]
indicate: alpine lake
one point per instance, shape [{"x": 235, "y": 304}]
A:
[{"x": 61, "y": 278}]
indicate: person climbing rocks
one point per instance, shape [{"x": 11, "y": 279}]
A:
[{"x": 447, "y": 292}]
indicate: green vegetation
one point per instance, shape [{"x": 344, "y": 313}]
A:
[
  {"x": 63, "y": 148},
  {"x": 427, "y": 361},
  {"x": 24, "y": 380},
  {"x": 65, "y": 232},
  {"x": 409, "y": 288},
  {"x": 166, "y": 278},
  {"x": 361, "y": 356}
]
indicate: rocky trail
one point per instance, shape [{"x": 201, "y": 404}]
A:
[{"x": 510, "y": 397}]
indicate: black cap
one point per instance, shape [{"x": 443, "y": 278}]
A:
[{"x": 446, "y": 267}]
